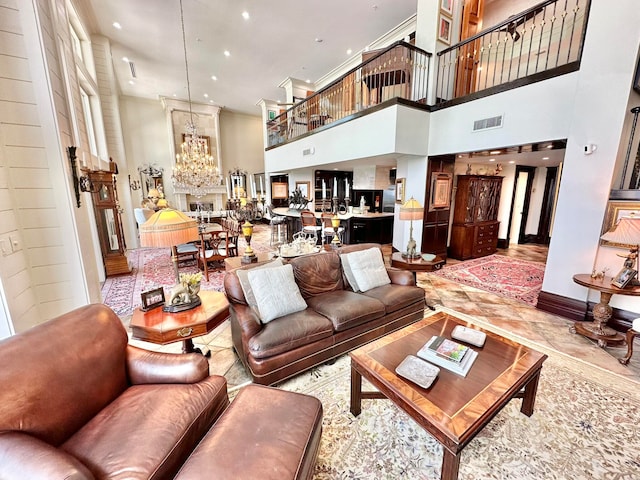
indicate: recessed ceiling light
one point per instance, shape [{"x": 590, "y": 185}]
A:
[
  {"x": 213, "y": 77},
  {"x": 550, "y": 146},
  {"x": 459, "y": 156},
  {"x": 492, "y": 159},
  {"x": 206, "y": 95},
  {"x": 131, "y": 82},
  {"x": 512, "y": 161},
  {"x": 117, "y": 25},
  {"x": 348, "y": 51},
  {"x": 125, "y": 59},
  {"x": 245, "y": 15},
  {"x": 495, "y": 152},
  {"x": 175, "y": 94},
  {"x": 308, "y": 80},
  {"x": 227, "y": 53},
  {"x": 545, "y": 158},
  {"x": 318, "y": 40}
]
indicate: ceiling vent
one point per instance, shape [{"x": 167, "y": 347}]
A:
[
  {"x": 486, "y": 123},
  {"x": 133, "y": 69}
]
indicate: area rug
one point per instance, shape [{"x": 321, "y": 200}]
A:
[
  {"x": 504, "y": 276},
  {"x": 585, "y": 426},
  {"x": 152, "y": 268}
]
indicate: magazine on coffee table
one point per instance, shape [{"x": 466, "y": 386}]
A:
[{"x": 461, "y": 368}]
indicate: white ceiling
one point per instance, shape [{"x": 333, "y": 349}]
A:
[{"x": 278, "y": 41}]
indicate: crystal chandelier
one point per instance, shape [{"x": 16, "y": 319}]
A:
[{"x": 195, "y": 170}]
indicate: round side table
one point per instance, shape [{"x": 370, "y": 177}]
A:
[{"x": 598, "y": 329}]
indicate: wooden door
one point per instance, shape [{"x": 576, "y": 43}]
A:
[
  {"x": 470, "y": 53},
  {"x": 435, "y": 225}
]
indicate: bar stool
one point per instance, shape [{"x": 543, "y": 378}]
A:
[
  {"x": 279, "y": 228},
  {"x": 309, "y": 224}
]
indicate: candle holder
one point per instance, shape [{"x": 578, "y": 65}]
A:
[
  {"x": 249, "y": 255},
  {"x": 335, "y": 223},
  {"x": 334, "y": 205}
]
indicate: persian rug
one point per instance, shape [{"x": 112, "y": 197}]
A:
[
  {"x": 505, "y": 276},
  {"x": 584, "y": 426},
  {"x": 152, "y": 268}
]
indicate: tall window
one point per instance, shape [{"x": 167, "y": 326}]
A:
[{"x": 88, "y": 120}]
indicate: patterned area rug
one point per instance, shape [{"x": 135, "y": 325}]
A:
[
  {"x": 152, "y": 268},
  {"x": 505, "y": 276},
  {"x": 585, "y": 426}
]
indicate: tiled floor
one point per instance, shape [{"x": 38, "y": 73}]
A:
[{"x": 518, "y": 318}]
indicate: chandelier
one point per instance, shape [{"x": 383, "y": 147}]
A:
[{"x": 195, "y": 170}]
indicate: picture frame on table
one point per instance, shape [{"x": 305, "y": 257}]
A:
[
  {"x": 152, "y": 299},
  {"x": 305, "y": 189},
  {"x": 400, "y": 186},
  {"x": 624, "y": 277},
  {"x": 446, "y": 6},
  {"x": 444, "y": 29}
]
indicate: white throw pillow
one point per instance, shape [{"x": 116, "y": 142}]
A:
[
  {"x": 246, "y": 286},
  {"x": 346, "y": 268},
  {"x": 367, "y": 268},
  {"x": 276, "y": 292}
]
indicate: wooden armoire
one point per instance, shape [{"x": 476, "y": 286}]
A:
[{"x": 474, "y": 232}]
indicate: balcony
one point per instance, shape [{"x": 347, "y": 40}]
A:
[
  {"x": 399, "y": 71},
  {"x": 539, "y": 43},
  {"x": 542, "y": 42}
]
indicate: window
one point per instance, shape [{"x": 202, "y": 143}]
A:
[{"x": 88, "y": 120}]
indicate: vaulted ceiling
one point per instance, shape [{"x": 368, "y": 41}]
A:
[{"x": 279, "y": 39}]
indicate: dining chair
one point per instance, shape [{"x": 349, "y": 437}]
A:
[{"x": 213, "y": 247}]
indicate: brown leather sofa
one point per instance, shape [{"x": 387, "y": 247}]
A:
[
  {"x": 78, "y": 402},
  {"x": 336, "y": 320}
]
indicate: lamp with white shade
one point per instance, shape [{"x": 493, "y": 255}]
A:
[
  {"x": 411, "y": 210},
  {"x": 626, "y": 233}
]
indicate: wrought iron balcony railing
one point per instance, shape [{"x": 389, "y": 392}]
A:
[
  {"x": 543, "y": 41},
  {"x": 401, "y": 70}
]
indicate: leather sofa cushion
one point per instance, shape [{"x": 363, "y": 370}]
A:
[
  {"x": 289, "y": 332},
  {"x": 318, "y": 273},
  {"x": 396, "y": 297},
  {"x": 266, "y": 434},
  {"x": 347, "y": 309},
  {"x": 77, "y": 359},
  {"x": 149, "y": 430}
]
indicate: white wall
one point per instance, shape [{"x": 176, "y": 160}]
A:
[{"x": 394, "y": 130}]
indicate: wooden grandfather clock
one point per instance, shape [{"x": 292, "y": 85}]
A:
[{"x": 109, "y": 223}]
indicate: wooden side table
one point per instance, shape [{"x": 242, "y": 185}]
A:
[
  {"x": 416, "y": 265},
  {"x": 598, "y": 329},
  {"x": 158, "y": 326}
]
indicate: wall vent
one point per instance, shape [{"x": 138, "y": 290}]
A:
[
  {"x": 132, "y": 66},
  {"x": 486, "y": 123},
  {"x": 308, "y": 151}
]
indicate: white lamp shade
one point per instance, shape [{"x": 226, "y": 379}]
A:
[
  {"x": 411, "y": 210},
  {"x": 626, "y": 232},
  {"x": 168, "y": 227}
]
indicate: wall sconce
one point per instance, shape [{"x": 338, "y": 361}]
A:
[
  {"x": 71, "y": 153},
  {"x": 135, "y": 185}
]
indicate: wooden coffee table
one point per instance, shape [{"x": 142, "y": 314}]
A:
[
  {"x": 157, "y": 326},
  {"x": 454, "y": 409}
]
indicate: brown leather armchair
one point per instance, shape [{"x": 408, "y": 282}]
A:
[{"x": 78, "y": 402}]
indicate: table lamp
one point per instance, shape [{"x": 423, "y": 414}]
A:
[
  {"x": 411, "y": 210},
  {"x": 626, "y": 233},
  {"x": 169, "y": 228}
]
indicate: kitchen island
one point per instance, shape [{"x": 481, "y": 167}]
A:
[{"x": 358, "y": 227}]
